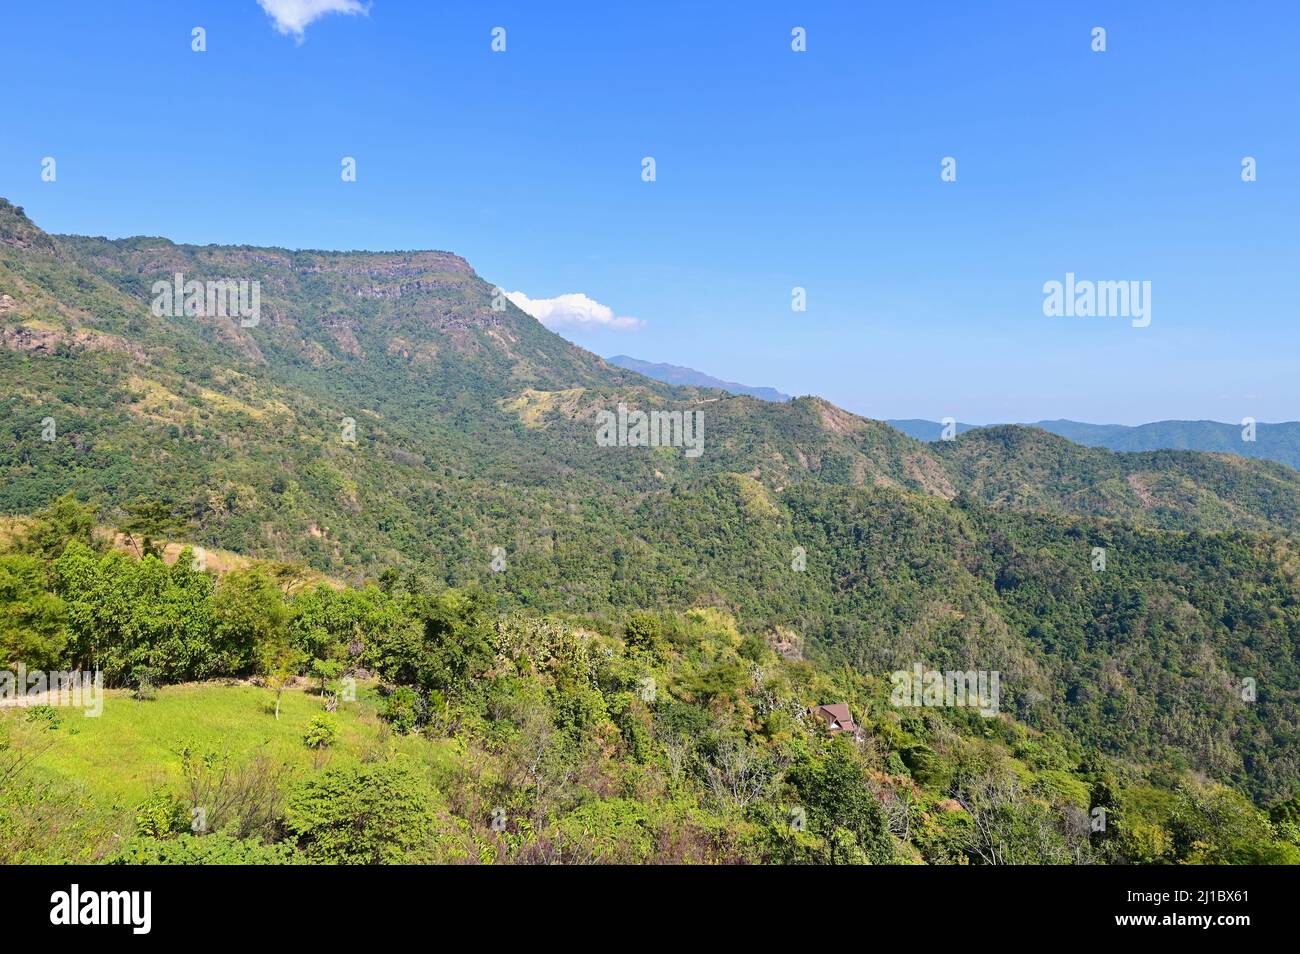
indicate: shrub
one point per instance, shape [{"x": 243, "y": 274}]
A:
[
  {"x": 643, "y": 632},
  {"x": 382, "y": 813},
  {"x": 205, "y": 850},
  {"x": 320, "y": 733},
  {"x": 161, "y": 815},
  {"x": 839, "y": 799},
  {"x": 243, "y": 799},
  {"x": 145, "y": 679},
  {"x": 402, "y": 710},
  {"x": 615, "y": 830}
]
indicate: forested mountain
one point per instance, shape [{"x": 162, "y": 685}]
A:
[
  {"x": 389, "y": 413},
  {"x": 453, "y": 401},
  {"x": 1277, "y": 442}
]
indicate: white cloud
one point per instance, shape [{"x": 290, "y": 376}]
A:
[
  {"x": 574, "y": 310},
  {"x": 291, "y": 17}
]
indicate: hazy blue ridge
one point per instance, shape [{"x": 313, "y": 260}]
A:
[
  {"x": 1276, "y": 442},
  {"x": 675, "y": 374}
]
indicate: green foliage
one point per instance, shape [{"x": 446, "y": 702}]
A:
[
  {"x": 148, "y": 525},
  {"x": 450, "y": 648},
  {"x": 842, "y": 806},
  {"x": 249, "y": 618},
  {"x": 124, "y": 613},
  {"x": 53, "y": 527},
  {"x": 404, "y": 710},
  {"x": 47, "y": 717},
  {"x": 611, "y": 831},
  {"x": 381, "y": 813},
  {"x": 213, "y": 849},
  {"x": 161, "y": 815},
  {"x": 643, "y": 632},
  {"x": 1219, "y": 826},
  {"x": 320, "y": 734},
  {"x": 1286, "y": 812},
  {"x": 1007, "y": 828},
  {"x": 33, "y": 622},
  {"x": 557, "y": 735}
]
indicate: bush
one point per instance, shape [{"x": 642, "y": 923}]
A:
[
  {"x": 1216, "y": 825},
  {"x": 205, "y": 850},
  {"x": 643, "y": 632},
  {"x": 145, "y": 679},
  {"x": 320, "y": 733},
  {"x": 239, "y": 798},
  {"x": 382, "y": 813},
  {"x": 161, "y": 815},
  {"x": 840, "y": 802},
  {"x": 616, "y": 830},
  {"x": 33, "y": 621},
  {"x": 402, "y": 710}
]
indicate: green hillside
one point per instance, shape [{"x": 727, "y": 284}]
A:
[
  {"x": 384, "y": 423},
  {"x": 470, "y": 423},
  {"x": 483, "y": 736}
]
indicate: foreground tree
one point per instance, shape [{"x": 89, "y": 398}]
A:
[{"x": 380, "y": 813}]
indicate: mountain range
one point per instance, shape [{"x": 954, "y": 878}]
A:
[
  {"x": 385, "y": 413},
  {"x": 676, "y": 374},
  {"x": 1279, "y": 442}
]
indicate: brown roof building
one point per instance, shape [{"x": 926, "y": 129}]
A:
[{"x": 837, "y": 718}]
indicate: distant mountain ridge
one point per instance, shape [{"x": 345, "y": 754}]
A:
[
  {"x": 1276, "y": 442},
  {"x": 676, "y": 374}
]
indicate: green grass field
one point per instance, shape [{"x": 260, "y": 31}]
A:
[{"x": 119, "y": 757}]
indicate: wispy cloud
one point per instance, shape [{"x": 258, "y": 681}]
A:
[
  {"x": 574, "y": 310},
  {"x": 291, "y": 17}
]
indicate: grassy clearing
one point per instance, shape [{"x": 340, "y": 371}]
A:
[
  {"x": 128, "y": 751},
  {"x": 78, "y": 796}
]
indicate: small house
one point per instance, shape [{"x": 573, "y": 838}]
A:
[{"x": 837, "y": 718}]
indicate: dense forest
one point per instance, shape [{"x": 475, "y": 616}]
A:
[
  {"x": 1278, "y": 442},
  {"x": 515, "y": 737}
]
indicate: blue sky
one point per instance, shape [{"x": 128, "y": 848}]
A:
[{"x": 775, "y": 169}]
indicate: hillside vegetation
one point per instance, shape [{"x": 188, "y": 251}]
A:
[
  {"x": 1276, "y": 442},
  {"x": 476, "y": 736},
  {"x": 511, "y": 582}
]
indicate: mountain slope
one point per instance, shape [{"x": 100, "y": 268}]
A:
[
  {"x": 1024, "y": 468},
  {"x": 381, "y": 406},
  {"x": 1276, "y": 442},
  {"x": 675, "y": 374}
]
